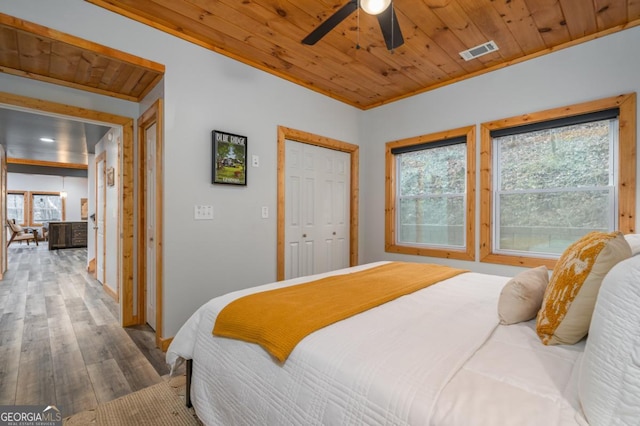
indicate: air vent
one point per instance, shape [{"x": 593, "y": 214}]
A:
[{"x": 480, "y": 50}]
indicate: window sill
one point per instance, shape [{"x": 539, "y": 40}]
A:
[{"x": 463, "y": 254}]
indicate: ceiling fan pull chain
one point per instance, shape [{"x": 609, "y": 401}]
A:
[{"x": 358, "y": 27}]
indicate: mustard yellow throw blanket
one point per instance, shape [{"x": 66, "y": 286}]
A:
[{"x": 279, "y": 319}]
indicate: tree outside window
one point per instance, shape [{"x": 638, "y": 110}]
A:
[
  {"x": 549, "y": 177},
  {"x": 16, "y": 207},
  {"x": 430, "y": 195},
  {"x": 46, "y": 208}
]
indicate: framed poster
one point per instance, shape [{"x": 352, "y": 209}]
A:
[
  {"x": 229, "y": 162},
  {"x": 111, "y": 180},
  {"x": 84, "y": 208}
]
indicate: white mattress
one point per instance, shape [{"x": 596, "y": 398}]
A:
[{"x": 436, "y": 356}]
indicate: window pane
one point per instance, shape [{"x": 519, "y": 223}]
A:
[
  {"x": 15, "y": 207},
  {"x": 433, "y": 171},
  {"x": 431, "y": 200},
  {"x": 554, "y": 186},
  {"x": 549, "y": 222},
  {"x": 566, "y": 157},
  {"x": 432, "y": 220},
  {"x": 47, "y": 208}
]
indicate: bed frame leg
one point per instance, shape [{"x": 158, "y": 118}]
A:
[{"x": 188, "y": 390}]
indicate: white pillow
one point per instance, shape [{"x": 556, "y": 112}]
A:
[
  {"x": 521, "y": 297},
  {"x": 609, "y": 384},
  {"x": 634, "y": 243}
]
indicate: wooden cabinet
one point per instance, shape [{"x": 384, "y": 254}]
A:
[{"x": 67, "y": 235}]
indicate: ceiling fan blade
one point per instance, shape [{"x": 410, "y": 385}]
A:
[
  {"x": 390, "y": 28},
  {"x": 330, "y": 23}
]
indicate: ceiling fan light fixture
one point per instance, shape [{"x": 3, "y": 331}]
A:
[{"x": 374, "y": 7}]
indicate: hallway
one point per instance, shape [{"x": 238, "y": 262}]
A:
[{"x": 60, "y": 340}]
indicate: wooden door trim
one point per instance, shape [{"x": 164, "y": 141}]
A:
[
  {"x": 125, "y": 255},
  {"x": 152, "y": 115},
  {"x": 284, "y": 134},
  {"x": 102, "y": 157},
  {"x": 3, "y": 211}
]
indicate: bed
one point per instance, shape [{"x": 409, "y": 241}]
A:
[{"x": 436, "y": 356}]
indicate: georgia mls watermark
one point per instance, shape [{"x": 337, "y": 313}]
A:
[{"x": 30, "y": 415}]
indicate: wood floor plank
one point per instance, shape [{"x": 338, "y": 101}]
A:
[
  {"x": 35, "y": 372},
  {"x": 139, "y": 372},
  {"x": 74, "y": 390},
  {"x": 108, "y": 380},
  {"x": 11, "y": 329},
  {"x": 55, "y": 306},
  {"x": 136, "y": 368},
  {"x": 91, "y": 342},
  {"x": 99, "y": 312},
  {"x": 78, "y": 311},
  {"x": 144, "y": 338},
  {"x": 36, "y": 305},
  {"x": 66, "y": 287},
  {"x": 16, "y": 303},
  {"x": 60, "y": 338}
]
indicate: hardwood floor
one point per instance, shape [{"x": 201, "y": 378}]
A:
[{"x": 60, "y": 340}]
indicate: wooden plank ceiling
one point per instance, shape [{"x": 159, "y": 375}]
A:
[
  {"x": 37, "y": 52},
  {"x": 267, "y": 33}
]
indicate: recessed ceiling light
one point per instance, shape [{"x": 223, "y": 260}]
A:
[{"x": 47, "y": 140}]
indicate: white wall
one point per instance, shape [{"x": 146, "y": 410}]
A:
[
  {"x": 598, "y": 69},
  {"x": 76, "y": 188},
  {"x": 203, "y": 91}
]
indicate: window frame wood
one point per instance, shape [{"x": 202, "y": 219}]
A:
[
  {"x": 391, "y": 245},
  {"x": 626, "y": 170}
]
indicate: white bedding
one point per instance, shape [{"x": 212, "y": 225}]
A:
[{"x": 436, "y": 356}]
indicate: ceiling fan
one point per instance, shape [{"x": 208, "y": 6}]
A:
[{"x": 383, "y": 9}]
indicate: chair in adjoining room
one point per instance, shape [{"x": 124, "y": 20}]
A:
[{"x": 18, "y": 233}]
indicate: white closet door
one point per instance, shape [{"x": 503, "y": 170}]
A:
[{"x": 317, "y": 209}]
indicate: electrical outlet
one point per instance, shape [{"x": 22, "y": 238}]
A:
[
  {"x": 265, "y": 212},
  {"x": 255, "y": 161},
  {"x": 203, "y": 212}
]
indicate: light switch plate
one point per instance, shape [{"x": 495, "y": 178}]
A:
[
  {"x": 203, "y": 212},
  {"x": 265, "y": 212}
]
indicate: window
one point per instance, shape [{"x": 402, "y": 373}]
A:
[
  {"x": 554, "y": 180},
  {"x": 16, "y": 207},
  {"x": 46, "y": 207},
  {"x": 430, "y": 195}
]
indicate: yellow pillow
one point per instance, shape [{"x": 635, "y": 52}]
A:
[{"x": 570, "y": 297}]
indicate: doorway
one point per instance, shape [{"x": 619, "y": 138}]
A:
[
  {"x": 286, "y": 134},
  {"x": 125, "y": 214}
]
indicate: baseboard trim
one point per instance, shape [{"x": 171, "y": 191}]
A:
[
  {"x": 110, "y": 292},
  {"x": 91, "y": 267},
  {"x": 164, "y": 343}
]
